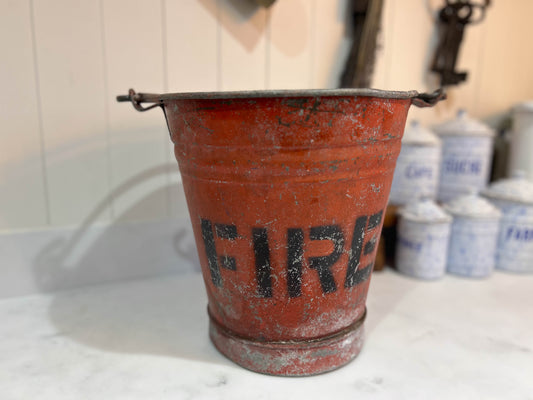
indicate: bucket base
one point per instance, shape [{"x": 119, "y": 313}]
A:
[{"x": 290, "y": 358}]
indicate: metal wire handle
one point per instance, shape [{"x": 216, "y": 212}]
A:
[{"x": 136, "y": 100}]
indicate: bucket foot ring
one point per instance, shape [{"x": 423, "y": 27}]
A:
[{"x": 290, "y": 358}]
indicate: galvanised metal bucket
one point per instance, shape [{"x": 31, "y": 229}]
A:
[{"x": 286, "y": 192}]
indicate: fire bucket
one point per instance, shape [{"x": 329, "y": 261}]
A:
[{"x": 286, "y": 191}]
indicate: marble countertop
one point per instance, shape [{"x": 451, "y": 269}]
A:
[{"x": 147, "y": 339}]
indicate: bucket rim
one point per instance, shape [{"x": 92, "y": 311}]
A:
[
  {"x": 251, "y": 94},
  {"x": 415, "y": 97}
]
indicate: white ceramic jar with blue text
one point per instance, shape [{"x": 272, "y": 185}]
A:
[
  {"x": 423, "y": 235},
  {"x": 466, "y": 156},
  {"x": 514, "y": 198},
  {"x": 473, "y": 237},
  {"x": 417, "y": 169}
]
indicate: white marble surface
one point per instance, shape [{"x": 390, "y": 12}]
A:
[{"x": 449, "y": 339}]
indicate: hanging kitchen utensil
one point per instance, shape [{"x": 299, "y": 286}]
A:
[
  {"x": 452, "y": 20},
  {"x": 366, "y": 18}
]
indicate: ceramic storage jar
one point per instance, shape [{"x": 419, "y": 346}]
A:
[
  {"x": 474, "y": 236},
  {"x": 514, "y": 198},
  {"x": 417, "y": 168},
  {"x": 466, "y": 156},
  {"x": 423, "y": 234}
]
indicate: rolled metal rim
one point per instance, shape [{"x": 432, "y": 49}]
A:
[
  {"x": 251, "y": 94},
  {"x": 418, "y": 99}
]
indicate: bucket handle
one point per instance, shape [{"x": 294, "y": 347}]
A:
[
  {"x": 429, "y": 99},
  {"x": 138, "y": 98}
]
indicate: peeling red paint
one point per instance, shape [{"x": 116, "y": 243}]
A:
[{"x": 272, "y": 170}]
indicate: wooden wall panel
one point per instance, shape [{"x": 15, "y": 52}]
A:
[
  {"x": 70, "y": 153},
  {"x": 332, "y": 42},
  {"x": 137, "y": 141},
  {"x": 242, "y": 26},
  {"x": 23, "y": 201},
  {"x": 191, "y": 45},
  {"x": 192, "y": 64},
  {"x": 506, "y": 57},
  {"x": 73, "y": 96},
  {"x": 290, "y": 47}
]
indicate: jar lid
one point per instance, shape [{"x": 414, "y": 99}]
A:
[
  {"x": 517, "y": 189},
  {"x": 526, "y": 106},
  {"x": 424, "y": 210},
  {"x": 417, "y": 134},
  {"x": 463, "y": 125},
  {"x": 472, "y": 205}
]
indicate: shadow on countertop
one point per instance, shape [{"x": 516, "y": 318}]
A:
[
  {"x": 147, "y": 294},
  {"x": 160, "y": 316}
]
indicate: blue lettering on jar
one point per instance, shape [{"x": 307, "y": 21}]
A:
[
  {"x": 519, "y": 234},
  {"x": 462, "y": 167},
  {"x": 416, "y": 246},
  {"x": 415, "y": 171}
]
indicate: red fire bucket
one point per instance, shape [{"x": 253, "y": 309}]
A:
[{"x": 286, "y": 192}]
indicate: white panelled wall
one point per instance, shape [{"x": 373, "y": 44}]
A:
[{"x": 70, "y": 156}]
